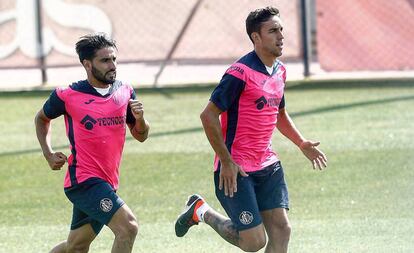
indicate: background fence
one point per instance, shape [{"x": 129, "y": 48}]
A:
[
  {"x": 353, "y": 35},
  {"x": 357, "y": 35}
]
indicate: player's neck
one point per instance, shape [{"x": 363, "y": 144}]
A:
[
  {"x": 98, "y": 84},
  {"x": 266, "y": 58}
]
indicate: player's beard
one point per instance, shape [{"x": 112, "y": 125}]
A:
[
  {"x": 276, "y": 52},
  {"x": 102, "y": 77}
]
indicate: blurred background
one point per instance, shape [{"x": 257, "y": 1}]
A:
[{"x": 166, "y": 42}]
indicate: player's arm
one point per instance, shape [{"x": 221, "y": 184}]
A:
[
  {"x": 222, "y": 98},
  {"x": 211, "y": 124},
  {"x": 139, "y": 127},
  {"x": 43, "y": 131},
  {"x": 309, "y": 148},
  {"x": 229, "y": 169}
]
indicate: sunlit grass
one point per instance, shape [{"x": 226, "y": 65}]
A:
[{"x": 361, "y": 203}]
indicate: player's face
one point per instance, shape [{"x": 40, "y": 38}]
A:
[
  {"x": 271, "y": 37},
  {"x": 104, "y": 65}
]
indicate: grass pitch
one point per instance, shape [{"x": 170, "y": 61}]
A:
[{"x": 362, "y": 203}]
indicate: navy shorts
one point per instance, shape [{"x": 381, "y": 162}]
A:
[
  {"x": 260, "y": 191},
  {"x": 94, "y": 202}
]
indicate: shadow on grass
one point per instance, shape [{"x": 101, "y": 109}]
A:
[
  {"x": 350, "y": 84},
  {"x": 351, "y": 105},
  {"x": 199, "y": 129},
  {"x": 291, "y": 85}
]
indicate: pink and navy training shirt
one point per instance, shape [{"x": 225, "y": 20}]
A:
[
  {"x": 250, "y": 99},
  {"x": 95, "y": 127}
]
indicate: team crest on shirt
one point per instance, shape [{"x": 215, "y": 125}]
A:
[
  {"x": 106, "y": 205},
  {"x": 246, "y": 217}
]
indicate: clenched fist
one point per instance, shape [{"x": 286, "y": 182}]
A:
[{"x": 137, "y": 109}]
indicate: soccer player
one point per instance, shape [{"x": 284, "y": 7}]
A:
[
  {"x": 96, "y": 112},
  {"x": 243, "y": 111}
]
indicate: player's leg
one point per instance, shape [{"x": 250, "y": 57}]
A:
[
  {"x": 124, "y": 225},
  {"x": 60, "y": 248},
  {"x": 83, "y": 228},
  {"x": 79, "y": 241},
  {"x": 278, "y": 230},
  {"x": 250, "y": 240},
  {"x": 244, "y": 228},
  {"x": 83, "y": 232},
  {"x": 101, "y": 205},
  {"x": 273, "y": 201}
]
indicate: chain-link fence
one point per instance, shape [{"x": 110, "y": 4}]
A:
[
  {"x": 145, "y": 31},
  {"x": 358, "y": 35},
  {"x": 348, "y": 35}
]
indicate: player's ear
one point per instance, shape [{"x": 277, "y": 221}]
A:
[
  {"x": 255, "y": 37},
  {"x": 87, "y": 64}
]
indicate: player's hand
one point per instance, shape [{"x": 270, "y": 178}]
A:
[
  {"x": 317, "y": 157},
  {"x": 56, "y": 160},
  {"x": 137, "y": 109},
  {"x": 228, "y": 177}
]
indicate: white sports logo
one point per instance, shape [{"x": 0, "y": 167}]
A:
[
  {"x": 246, "y": 217},
  {"x": 106, "y": 205}
]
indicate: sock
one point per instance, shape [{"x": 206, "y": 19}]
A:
[{"x": 201, "y": 210}]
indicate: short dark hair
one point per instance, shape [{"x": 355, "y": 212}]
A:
[
  {"x": 87, "y": 45},
  {"x": 255, "y": 19}
]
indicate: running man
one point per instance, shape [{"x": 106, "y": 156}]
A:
[
  {"x": 239, "y": 120},
  {"x": 96, "y": 111}
]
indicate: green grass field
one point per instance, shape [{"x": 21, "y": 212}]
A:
[{"x": 364, "y": 201}]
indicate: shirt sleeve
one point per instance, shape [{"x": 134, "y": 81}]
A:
[
  {"x": 130, "y": 119},
  {"x": 282, "y": 102},
  {"x": 54, "y": 106},
  {"x": 227, "y": 91}
]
